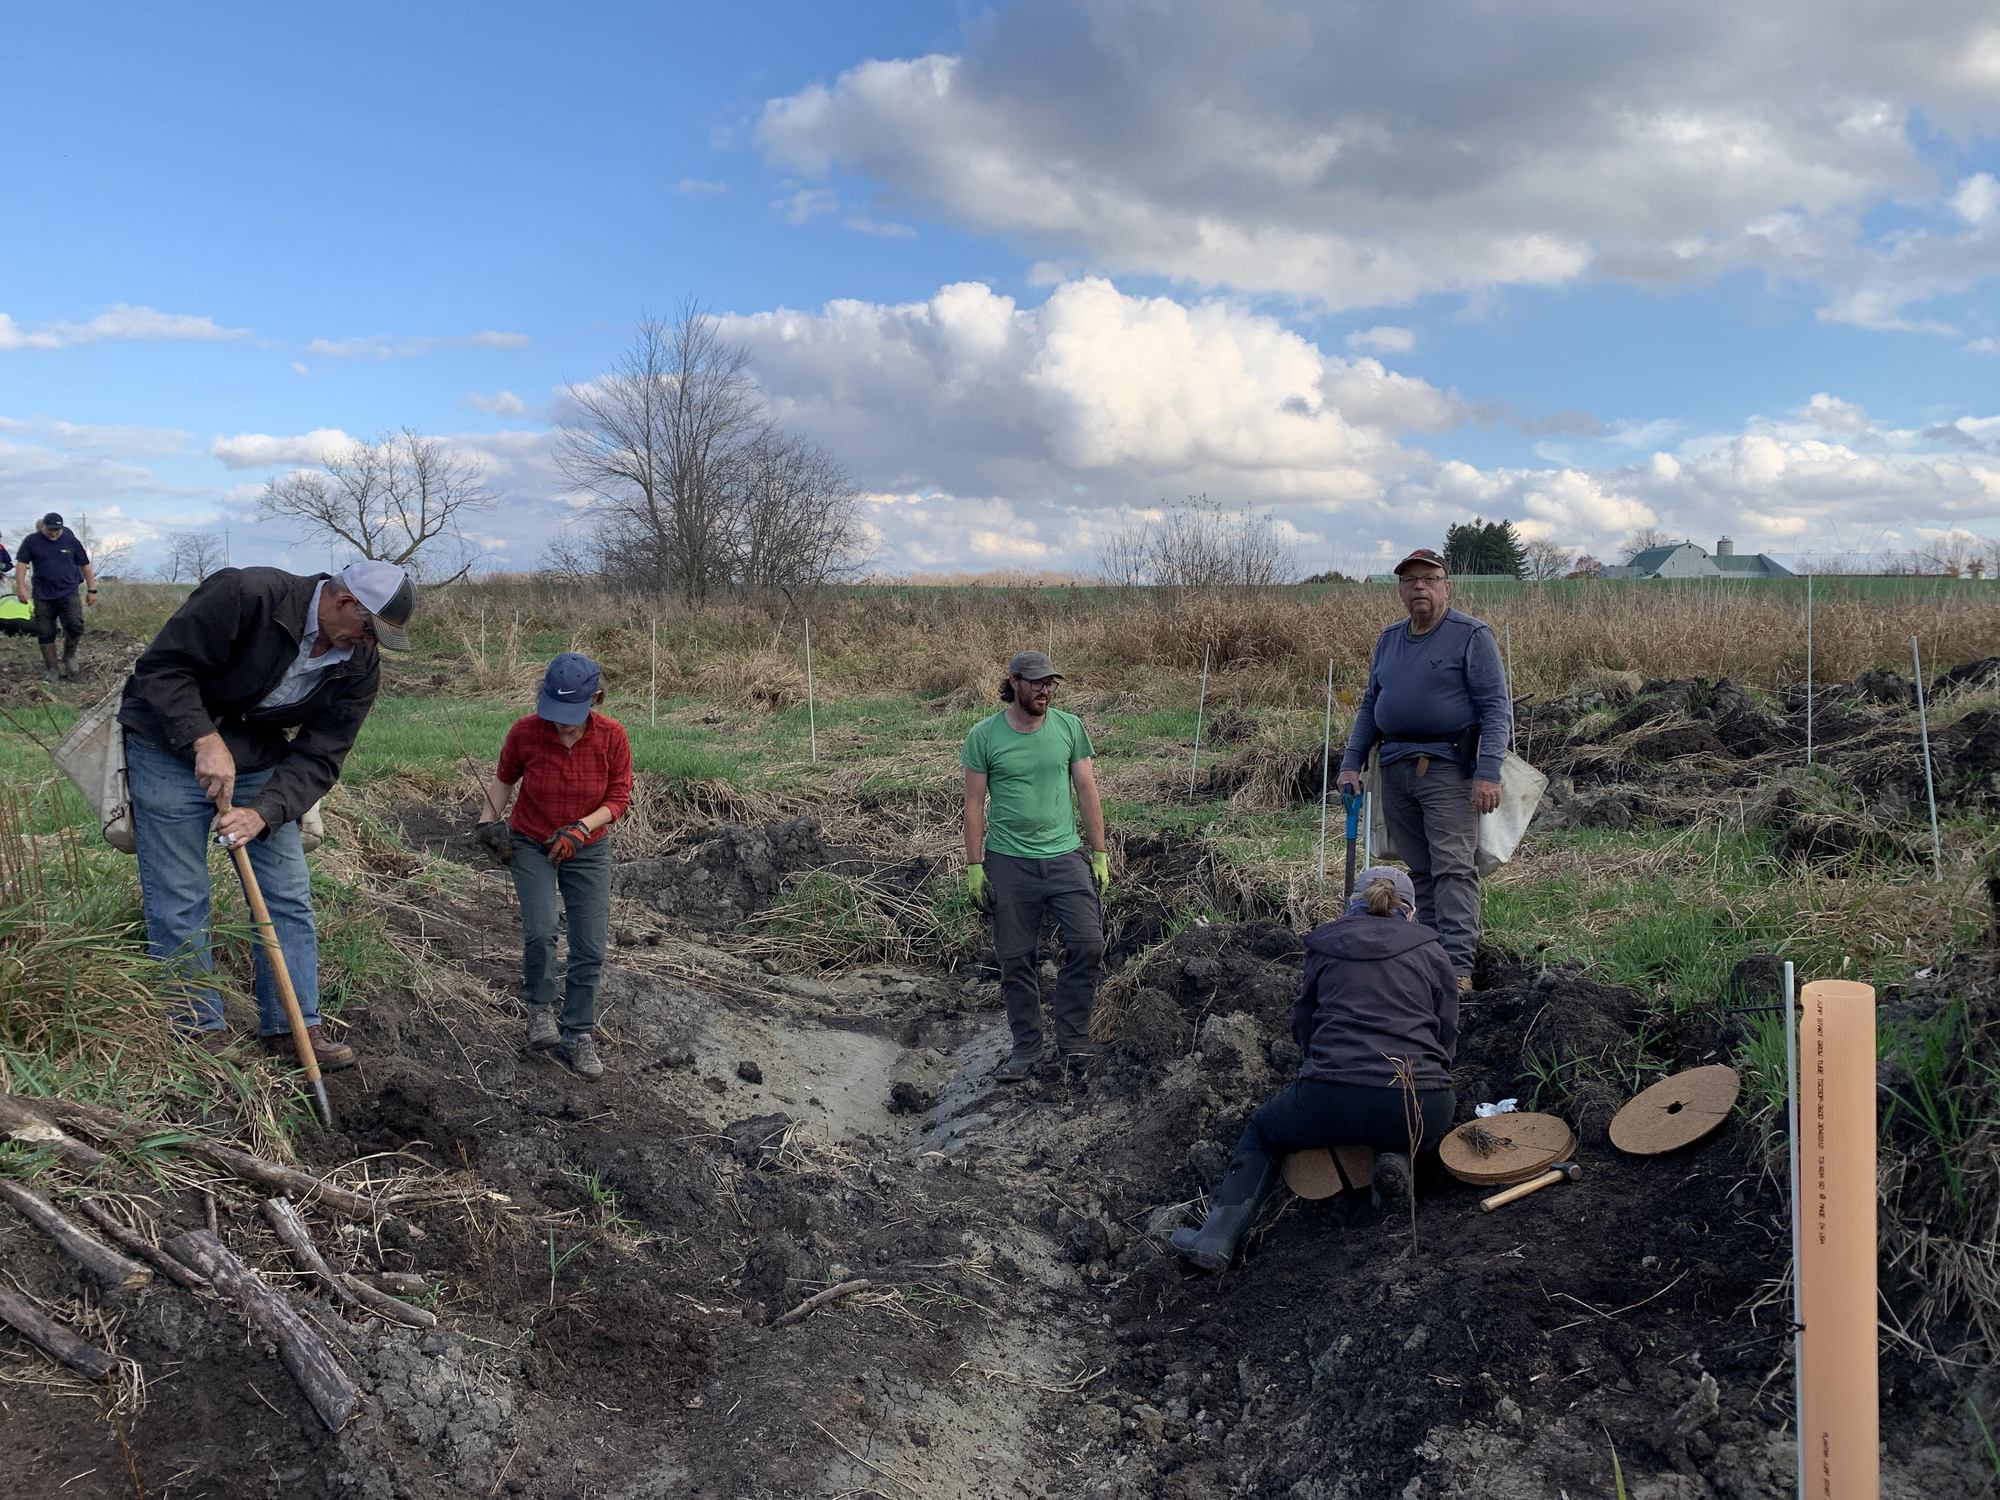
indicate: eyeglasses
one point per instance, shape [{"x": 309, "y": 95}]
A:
[{"x": 1038, "y": 685}]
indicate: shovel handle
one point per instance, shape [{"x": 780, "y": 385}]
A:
[{"x": 267, "y": 937}]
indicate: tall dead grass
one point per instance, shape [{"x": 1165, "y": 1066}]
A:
[{"x": 1265, "y": 646}]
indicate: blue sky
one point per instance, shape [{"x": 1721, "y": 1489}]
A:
[{"x": 1696, "y": 267}]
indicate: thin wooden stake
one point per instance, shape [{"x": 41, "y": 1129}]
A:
[
  {"x": 812, "y": 725},
  {"x": 1200, "y": 704},
  {"x": 653, "y": 692},
  {"x": 1798, "y": 1311},
  {"x": 1325, "y": 757},
  {"x": 1930, "y": 787}
]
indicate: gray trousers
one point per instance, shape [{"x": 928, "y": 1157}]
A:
[
  {"x": 582, "y": 884},
  {"x": 1433, "y": 826},
  {"x": 1024, "y": 890}
]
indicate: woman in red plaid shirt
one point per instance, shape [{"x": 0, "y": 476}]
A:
[{"x": 574, "y": 769}]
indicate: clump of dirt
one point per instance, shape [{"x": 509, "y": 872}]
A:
[{"x": 728, "y": 878}]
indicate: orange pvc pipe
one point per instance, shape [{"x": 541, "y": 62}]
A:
[{"x": 1840, "y": 1411}]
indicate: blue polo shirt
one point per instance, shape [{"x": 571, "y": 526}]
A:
[{"x": 58, "y": 564}]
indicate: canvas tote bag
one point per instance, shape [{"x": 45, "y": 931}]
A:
[{"x": 1500, "y": 831}]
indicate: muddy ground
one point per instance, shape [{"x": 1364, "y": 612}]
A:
[{"x": 610, "y": 1259}]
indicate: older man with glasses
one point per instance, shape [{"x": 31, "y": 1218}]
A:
[
  {"x": 1025, "y": 861},
  {"x": 1437, "y": 700},
  {"x": 237, "y": 719}
]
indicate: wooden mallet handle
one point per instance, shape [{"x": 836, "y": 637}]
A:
[{"x": 1562, "y": 1171}]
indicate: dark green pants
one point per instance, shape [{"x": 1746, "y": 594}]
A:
[
  {"x": 1025, "y": 891},
  {"x": 582, "y": 883}
]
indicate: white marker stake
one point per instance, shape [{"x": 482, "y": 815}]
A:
[
  {"x": 1809, "y": 669},
  {"x": 1509, "y": 627},
  {"x": 654, "y": 690},
  {"x": 482, "y": 637},
  {"x": 1325, "y": 757},
  {"x": 1930, "y": 789},
  {"x": 1199, "y": 704},
  {"x": 812, "y": 725}
]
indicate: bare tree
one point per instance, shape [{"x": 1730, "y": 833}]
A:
[
  {"x": 1198, "y": 544},
  {"x": 1643, "y": 539},
  {"x": 403, "y": 499},
  {"x": 1954, "y": 554},
  {"x": 1586, "y": 566},
  {"x": 108, "y": 559},
  {"x": 698, "y": 490},
  {"x": 191, "y": 556},
  {"x": 1546, "y": 559}
]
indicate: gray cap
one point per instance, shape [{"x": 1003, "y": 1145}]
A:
[
  {"x": 1405, "y": 891},
  {"x": 1033, "y": 665}
]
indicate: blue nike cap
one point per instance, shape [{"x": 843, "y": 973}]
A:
[{"x": 567, "y": 688}]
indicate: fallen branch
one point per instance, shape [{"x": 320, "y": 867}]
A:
[
  {"x": 304, "y": 1352},
  {"x": 818, "y": 1300},
  {"x": 52, "y": 1338},
  {"x": 142, "y": 1247},
  {"x": 22, "y": 1124},
  {"x": 408, "y": 1283},
  {"x": 298, "y": 1239},
  {"x": 390, "y": 1307},
  {"x": 106, "y": 1124},
  {"x": 88, "y": 1251}
]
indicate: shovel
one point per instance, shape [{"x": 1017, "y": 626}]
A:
[
  {"x": 1351, "y": 801},
  {"x": 267, "y": 936}
]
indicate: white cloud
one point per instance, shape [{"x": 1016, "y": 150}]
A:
[
  {"x": 1385, "y": 339},
  {"x": 500, "y": 404},
  {"x": 1977, "y": 199},
  {"x": 862, "y": 224},
  {"x": 1368, "y": 155},
  {"x": 161, "y": 441},
  {"x": 698, "y": 185},
  {"x": 387, "y": 346},
  {"x": 120, "y": 321},
  {"x": 299, "y": 369},
  {"x": 807, "y": 204},
  {"x": 255, "y": 450}
]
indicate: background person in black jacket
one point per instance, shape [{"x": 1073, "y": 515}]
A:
[
  {"x": 253, "y": 654},
  {"x": 55, "y": 557},
  {"x": 1377, "y": 1022}
]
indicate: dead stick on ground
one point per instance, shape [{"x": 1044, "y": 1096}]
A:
[
  {"x": 893, "y": 1479},
  {"x": 142, "y": 1247},
  {"x": 103, "y": 1123},
  {"x": 818, "y": 1300},
  {"x": 390, "y": 1307},
  {"x": 20, "y": 1123},
  {"x": 52, "y": 1338},
  {"x": 298, "y": 1239},
  {"x": 304, "y": 1352},
  {"x": 88, "y": 1251}
]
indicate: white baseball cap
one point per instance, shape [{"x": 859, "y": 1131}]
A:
[{"x": 386, "y": 592}]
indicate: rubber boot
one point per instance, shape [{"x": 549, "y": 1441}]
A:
[
  {"x": 69, "y": 656},
  {"x": 51, "y": 663},
  {"x": 1251, "y": 1178}
]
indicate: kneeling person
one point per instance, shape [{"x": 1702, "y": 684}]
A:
[
  {"x": 573, "y": 766},
  {"x": 1378, "y": 1005}
]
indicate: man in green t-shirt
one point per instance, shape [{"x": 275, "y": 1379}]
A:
[{"x": 1024, "y": 860}]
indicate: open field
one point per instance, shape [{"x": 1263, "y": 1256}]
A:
[{"x": 608, "y": 1263}]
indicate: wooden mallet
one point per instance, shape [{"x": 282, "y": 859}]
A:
[
  {"x": 1562, "y": 1171},
  {"x": 267, "y": 936}
]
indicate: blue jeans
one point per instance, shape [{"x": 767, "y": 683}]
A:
[
  {"x": 170, "y": 823},
  {"x": 583, "y": 882}
]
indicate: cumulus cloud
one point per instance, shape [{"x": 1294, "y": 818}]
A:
[
  {"x": 256, "y": 450},
  {"x": 499, "y": 404},
  {"x": 1368, "y": 155},
  {"x": 1384, "y": 340},
  {"x": 120, "y": 321}
]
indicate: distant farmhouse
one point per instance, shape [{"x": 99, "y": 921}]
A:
[{"x": 1686, "y": 560}]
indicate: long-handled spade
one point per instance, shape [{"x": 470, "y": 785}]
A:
[
  {"x": 1352, "y": 802},
  {"x": 267, "y": 935}
]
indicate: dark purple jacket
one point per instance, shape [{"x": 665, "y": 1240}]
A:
[{"x": 1376, "y": 988}]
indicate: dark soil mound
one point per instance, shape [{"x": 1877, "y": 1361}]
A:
[{"x": 734, "y": 874}]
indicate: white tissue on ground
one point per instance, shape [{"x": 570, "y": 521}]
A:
[{"x": 1488, "y": 1111}]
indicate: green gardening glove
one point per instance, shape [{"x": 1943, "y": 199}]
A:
[
  {"x": 975, "y": 885},
  {"x": 1100, "y": 866}
]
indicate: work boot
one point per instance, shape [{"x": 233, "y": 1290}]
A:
[
  {"x": 214, "y": 1043},
  {"x": 1020, "y": 1067},
  {"x": 69, "y": 658},
  {"x": 1394, "y": 1181},
  {"x": 51, "y": 664},
  {"x": 1251, "y": 1178},
  {"x": 580, "y": 1052},
  {"x": 542, "y": 1031},
  {"x": 331, "y": 1056}
]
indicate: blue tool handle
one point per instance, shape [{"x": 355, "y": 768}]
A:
[{"x": 1352, "y": 802}]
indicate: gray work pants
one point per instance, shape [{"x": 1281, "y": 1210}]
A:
[
  {"x": 1024, "y": 891},
  {"x": 582, "y": 883},
  {"x": 1433, "y": 826}
]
